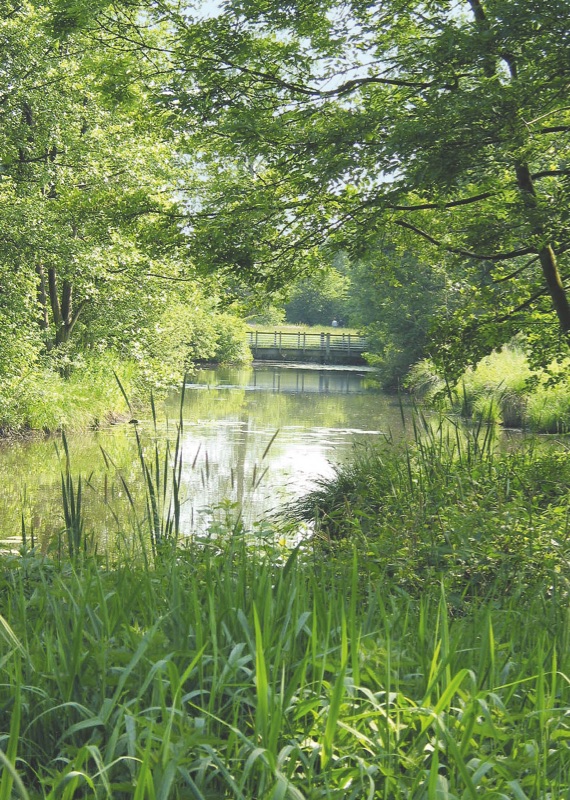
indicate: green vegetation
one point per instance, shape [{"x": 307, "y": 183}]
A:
[
  {"x": 95, "y": 271},
  {"x": 502, "y": 388},
  {"x": 152, "y": 186},
  {"x": 319, "y": 298},
  {"x": 424, "y": 654},
  {"x": 43, "y": 400},
  {"x": 167, "y": 170},
  {"x": 436, "y": 130},
  {"x": 69, "y": 389}
]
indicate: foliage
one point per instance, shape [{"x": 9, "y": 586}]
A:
[
  {"x": 272, "y": 315},
  {"x": 319, "y": 299},
  {"x": 231, "y": 344},
  {"x": 225, "y": 672},
  {"x": 443, "y": 127},
  {"x": 216, "y": 674},
  {"x": 397, "y": 314},
  {"x": 232, "y": 667},
  {"x": 86, "y": 172},
  {"x": 186, "y": 333},
  {"x": 451, "y": 504}
]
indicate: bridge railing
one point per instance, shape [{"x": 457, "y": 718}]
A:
[{"x": 348, "y": 343}]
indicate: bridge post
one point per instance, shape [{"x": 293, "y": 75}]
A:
[{"x": 328, "y": 346}]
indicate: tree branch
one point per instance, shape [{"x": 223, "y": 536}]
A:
[
  {"x": 550, "y": 172},
  {"x": 452, "y": 204},
  {"x": 308, "y": 91},
  {"x": 517, "y": 271},
  {"x": 554, "y": 129},
  {"x": 522, "y": 306},
  {"x": 466, "y": 253}
]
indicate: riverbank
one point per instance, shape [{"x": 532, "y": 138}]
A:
[
  {"x": 43, "y": 401},
  {"x": 503, "y": 389},
  {"x": 234, "y": 667}
]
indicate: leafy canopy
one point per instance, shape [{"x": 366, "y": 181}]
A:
[{"x": 442, "y": 126}]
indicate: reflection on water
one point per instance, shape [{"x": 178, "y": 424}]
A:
[
  {"x": 286, "y": 379},
  {"x": 255, "y": 436}
]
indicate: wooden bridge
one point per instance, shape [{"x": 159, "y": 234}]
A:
[{"x": 323, "y": 348}]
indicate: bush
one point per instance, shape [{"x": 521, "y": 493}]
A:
[
  {"x": 187, "y": 334},
  {"x": 231, "y": 340},
  {"x": 451, "y": 508}
]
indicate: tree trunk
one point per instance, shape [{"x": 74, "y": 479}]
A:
[
  {"x": 546, "y": 255},
  {"x": 42, "y": 298},
  {"x": 64, "y": 316}
]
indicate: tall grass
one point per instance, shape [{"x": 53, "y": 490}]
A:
[
  {"x": 45, "y": 401},
  {"x": 226, "y": 670},
  {"x": 502, "y": 388},
  {"x": 217, "y": 677}
]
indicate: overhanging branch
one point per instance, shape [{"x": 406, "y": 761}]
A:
[{"x": 524, "y": 251}]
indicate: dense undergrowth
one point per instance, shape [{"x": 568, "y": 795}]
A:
[
  {"x": 45, "y": 400},
  {"x": 417, "y": 647}
]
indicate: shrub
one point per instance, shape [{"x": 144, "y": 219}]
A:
[
  {"x": 451, "y": 507},
  {"x": 231, "y": 340}
]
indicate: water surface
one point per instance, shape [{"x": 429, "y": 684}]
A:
[{"x": 253, "y": 438}]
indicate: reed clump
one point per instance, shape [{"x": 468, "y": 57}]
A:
[{"x": 452, "y": 504}]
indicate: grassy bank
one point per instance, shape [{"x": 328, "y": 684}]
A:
[
  {"x": 44, "y": 400},
  {"x": 502, "y": 388},
  {"x": 417, "y": 647}
]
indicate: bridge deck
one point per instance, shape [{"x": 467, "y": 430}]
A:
[{"x": 325, "y": 347}]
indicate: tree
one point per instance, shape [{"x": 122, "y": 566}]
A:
[
  {"x": 319, "y": 298},
  {"x": 89, "y": 210},
  {"x": 447, "y": 123},
  {"x": 398, "y": 314}
]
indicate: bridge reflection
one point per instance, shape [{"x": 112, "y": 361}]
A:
[{"x": 292, "y": 380}]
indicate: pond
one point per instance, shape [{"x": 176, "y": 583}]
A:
[{"x": 253, "y": 439}]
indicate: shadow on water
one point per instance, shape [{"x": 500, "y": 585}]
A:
[{"x": 232, "y": 457}]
